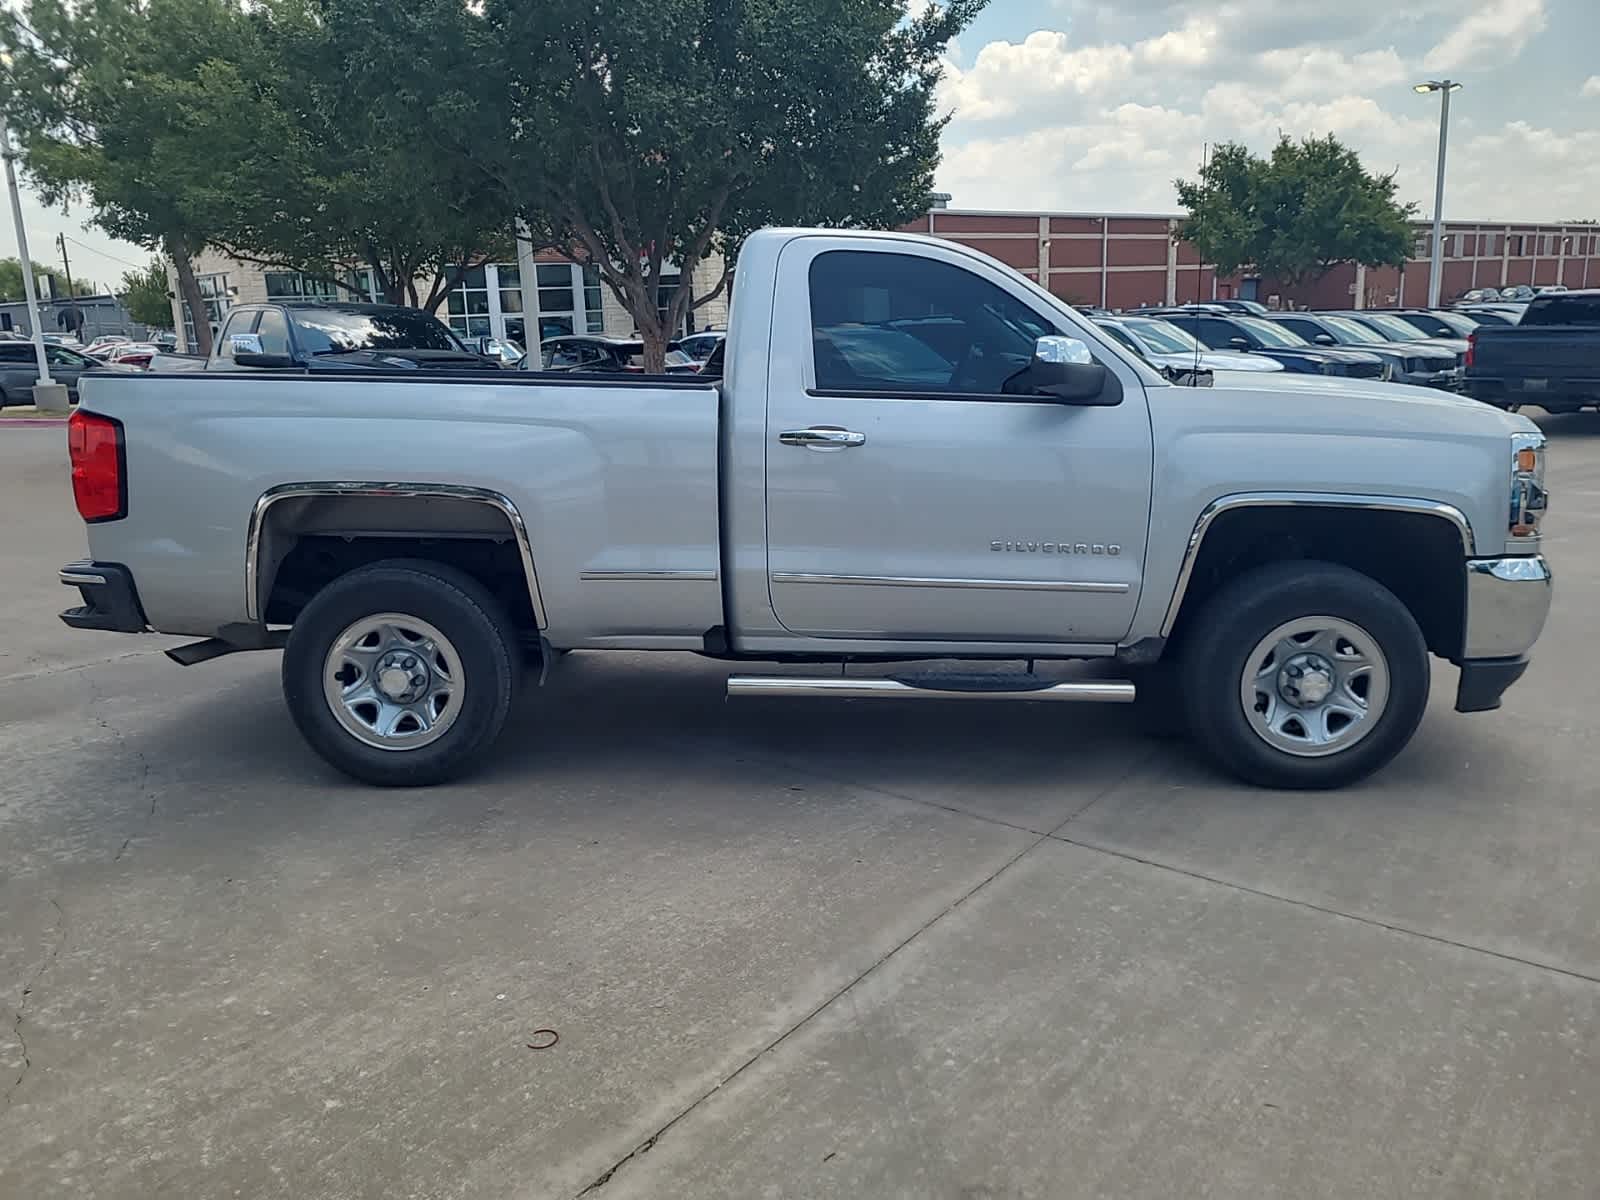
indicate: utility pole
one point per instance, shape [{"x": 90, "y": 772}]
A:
[
  {"x": 76, "y": 319},
  {"x": 47, "y": 394}
]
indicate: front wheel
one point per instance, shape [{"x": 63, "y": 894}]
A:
[
  {"x": 1305, "y": 675},
  {"x": 400, "y": 673}
]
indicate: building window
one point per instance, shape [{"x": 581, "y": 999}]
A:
[
  {"x": 469, "y": 305},
  {"x": 1461, "y": 246},
  {"x": 1423, "y": 247},
  {"x": 557, "y": 301},
  {"x": 214, "y": 291},
  {"x": 294, "y": 285},
  {"x": 666, "y": 285},
  {"x": 593, "y": 301},
  {"x": 1514, "y": 241}
]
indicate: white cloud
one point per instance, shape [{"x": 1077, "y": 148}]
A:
[
  {"x": 1012, "y": 77},
  {"x": 1495, "y": 30},
  {"x": 1318, "y": 71},
  {"x": 1194, "y": 45},
  {"x": 1591, "y": 86},
  {"x": 1067, "y": 121}
]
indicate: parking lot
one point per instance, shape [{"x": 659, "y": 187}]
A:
[{"x": 789, "y": 948}]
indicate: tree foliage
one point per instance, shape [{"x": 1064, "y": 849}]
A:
[
  {"x": 1296, "y": 214},
  {"x": 347, "y": 147},
  {"x": 11, "y": 288},
  {"x": 144, "y": 294},
  {"x": 643, "y": 136},
  {"x": 410, "y": 135},
  {"x": 105, "y": 95}
]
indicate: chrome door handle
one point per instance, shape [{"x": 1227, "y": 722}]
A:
[{"x": 822, "y": 437}]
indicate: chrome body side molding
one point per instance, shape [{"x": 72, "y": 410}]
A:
[
  {"x": 910, "y": 581},
  {"x": 414, "y": 491},
  {"x": 1216, "y": 508}
]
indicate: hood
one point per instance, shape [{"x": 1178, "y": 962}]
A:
[
  {"x": 1336, "y": 354},
  {"x": 1425, "y": 350},
  {"x": 1357, "y": 395},
  {"x": 1218, "y": 360}
]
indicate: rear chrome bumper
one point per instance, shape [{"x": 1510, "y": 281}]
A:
[
  {"x": 110, "y": 601},
  {"x": 1508, "y": 600}
]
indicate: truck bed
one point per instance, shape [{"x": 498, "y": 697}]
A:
[{"x": 615, "y": 480}]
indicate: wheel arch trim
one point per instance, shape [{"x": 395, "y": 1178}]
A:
[
  {"x": 368, "y": 489},
  {"x": 1238, "y": 500}
]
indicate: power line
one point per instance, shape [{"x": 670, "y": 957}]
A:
[{"x": 103, "y": 254}]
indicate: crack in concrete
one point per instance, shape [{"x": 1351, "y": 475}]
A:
[
  {"x": 60, "y": 932},
  {"x": 143, "y": 785},
  {"x": 1039, "y": 839}
]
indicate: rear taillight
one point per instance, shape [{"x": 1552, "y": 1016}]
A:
[
  {"x": 99, "y": 475},
  {"x": 1472, "y": 348}
]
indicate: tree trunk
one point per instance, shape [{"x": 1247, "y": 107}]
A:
[
  {"x": 189, "y": 289},
  {"x": 655, "y": 347}
]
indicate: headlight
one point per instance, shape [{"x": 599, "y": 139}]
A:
[{"x": 1528, "y": 497}]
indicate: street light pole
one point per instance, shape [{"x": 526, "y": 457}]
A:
[
  {"x": 1436, "y": 266},
  {"x": 46, "y": 384}
]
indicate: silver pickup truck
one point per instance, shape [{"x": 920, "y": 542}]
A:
[{"x": 903, "y": 451}]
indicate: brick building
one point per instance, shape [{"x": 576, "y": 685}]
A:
[{"x": 1123, "y": 260}]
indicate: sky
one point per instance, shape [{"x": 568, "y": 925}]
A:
[
  {"x": 1087, "y": 105},
  {"x": 1096, "y": 105}
]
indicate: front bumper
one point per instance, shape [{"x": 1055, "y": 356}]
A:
[
  {"x": 110, "y": 600},
  {"x": 1508, "y": 600}
]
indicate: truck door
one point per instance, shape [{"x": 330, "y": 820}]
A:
[{"x": 908, "y": 497}]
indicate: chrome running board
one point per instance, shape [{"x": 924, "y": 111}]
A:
[{"x": 934, "y": 687}]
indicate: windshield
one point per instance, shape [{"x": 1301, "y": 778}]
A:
[
  {"x": 1163, "y": 337},
  {"x": 1462, "y": 326},
  {"x": 1348, "y": 332},
  {"x": 1271, "y": 334},
  {"x": 335, "y": 331},
  {"x": 1392, "y": 328}
]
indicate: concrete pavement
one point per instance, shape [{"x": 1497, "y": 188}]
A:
[{"x": 790, "y": 948}]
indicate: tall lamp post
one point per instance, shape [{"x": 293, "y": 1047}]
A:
[{"x": 1436, "y": 269}]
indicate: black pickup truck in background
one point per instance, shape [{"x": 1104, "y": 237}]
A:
[{"x": 1552, "y": 358}]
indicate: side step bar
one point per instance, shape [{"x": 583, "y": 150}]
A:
[{"x": 969, "y": 687}]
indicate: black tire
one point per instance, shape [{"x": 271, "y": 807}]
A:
[
  {"x": 457, "y": 606},
  {"x": 1230, "y": 626}
]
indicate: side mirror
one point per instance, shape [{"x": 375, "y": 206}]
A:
[
  {"x": 1323, "y": 339},
  {"x": 1063, "y": 368},
  {"x": 1239, "y": 343},
  {"x": 244, "y": 343}
]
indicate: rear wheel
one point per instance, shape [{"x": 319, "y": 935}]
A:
[
  {"x": 1305, "y": 675},
  {"x": 400, "y": 673}
]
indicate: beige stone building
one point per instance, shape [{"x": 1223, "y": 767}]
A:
[{"x": 507, "y": 300}]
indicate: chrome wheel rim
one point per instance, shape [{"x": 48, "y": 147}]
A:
[
  {"x": 1315, "y": 686},
  {"x": 393, "y": 681}
]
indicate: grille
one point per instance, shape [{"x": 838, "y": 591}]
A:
[{"x": 1361, "y": 370}]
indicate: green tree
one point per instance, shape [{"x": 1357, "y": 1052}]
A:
[
  {"x": 105, "y": 95},
  {"x": 642, "y": 135},
  {"x": 145, "y": 295},
  {"x": 1296, "y": 214},
  {"x": 11, "y": 288},
  {"x": 343, "y": 145}
]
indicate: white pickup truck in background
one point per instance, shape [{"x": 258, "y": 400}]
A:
[{"x": 904, "y": 450}]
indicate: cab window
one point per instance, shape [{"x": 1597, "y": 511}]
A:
[{"x": 902, "y": 323}]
